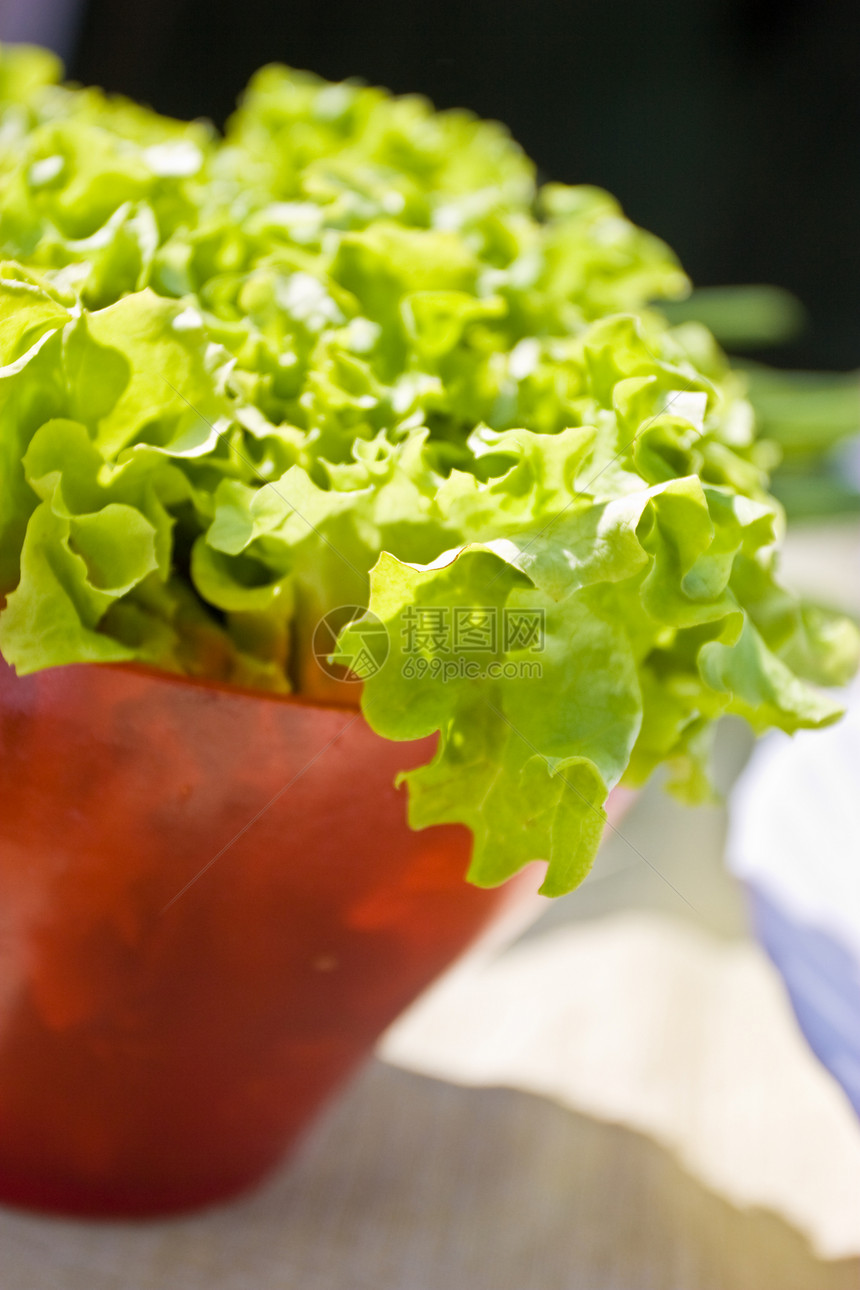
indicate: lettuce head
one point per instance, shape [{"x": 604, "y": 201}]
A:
[{"x": 350, "y": 354}]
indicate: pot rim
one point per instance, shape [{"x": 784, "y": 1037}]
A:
[{"x": 205, "y": 683}]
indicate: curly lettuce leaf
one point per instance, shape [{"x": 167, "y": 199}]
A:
[{"x": 645, "y": 639}]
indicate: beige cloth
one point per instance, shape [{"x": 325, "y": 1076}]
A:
[{"x": 644, "y": 1021}]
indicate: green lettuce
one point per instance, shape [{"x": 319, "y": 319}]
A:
[{"x": 351, "y": 355}]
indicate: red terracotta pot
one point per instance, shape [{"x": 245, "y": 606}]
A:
[{"x": 210, "y": 907}]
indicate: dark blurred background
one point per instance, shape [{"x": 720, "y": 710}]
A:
[{"x": 732, "y": 129}]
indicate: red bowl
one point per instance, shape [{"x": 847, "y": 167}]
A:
[{"x": 210, "y": 907}]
